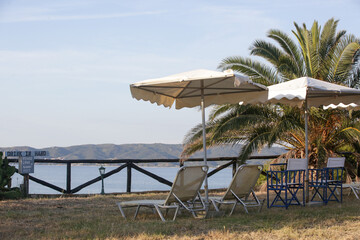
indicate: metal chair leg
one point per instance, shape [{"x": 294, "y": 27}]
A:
[
  {"x": 121, "y": 210},
  {"x": 137, "y": 211},
  {"x": 159, "y": 212},
  {"x": 233, "y": 209},
  {"x": 176, "y": 212},
  {"x": 214, "y": 204},
  {"x": 355, "y": 191}
]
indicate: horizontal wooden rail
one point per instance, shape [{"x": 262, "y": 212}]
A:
[{"x": 174, "y": 160}]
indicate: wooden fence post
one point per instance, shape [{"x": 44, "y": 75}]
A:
[
  {"x": 128, "y": 183},
  {"x": 26, "y": 185},
  {"x": 68, "y": 177}
]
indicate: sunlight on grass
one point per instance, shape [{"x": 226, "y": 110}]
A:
[{"x": 97, "y": 217}]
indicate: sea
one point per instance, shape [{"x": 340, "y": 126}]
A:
[{"x": 56, "y": 175}]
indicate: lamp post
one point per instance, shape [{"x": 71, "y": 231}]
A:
[{"x": 102, "y": 172}]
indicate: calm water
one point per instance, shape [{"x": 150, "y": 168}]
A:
[{"x": 56, "y": 174}]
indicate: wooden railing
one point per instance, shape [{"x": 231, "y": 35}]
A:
[{"x": 129, "y": 164}]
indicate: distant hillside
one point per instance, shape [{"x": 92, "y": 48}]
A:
[{"x": 136, "y": 151}]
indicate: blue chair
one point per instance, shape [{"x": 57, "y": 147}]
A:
[
  {"x": 317, "y": 181},
  {"x": 287, "y": 184},
  {"x": 327, "y": 181},
  {"x": 276, "y": 183}
]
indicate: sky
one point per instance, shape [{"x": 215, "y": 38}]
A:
[{"x": 66, "y": 66}]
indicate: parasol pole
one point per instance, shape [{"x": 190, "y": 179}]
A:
[
  {"x": 206, "y": 187},
  {"x": 306, "y": 153}
]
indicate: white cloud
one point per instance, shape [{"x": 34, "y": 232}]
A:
[
  {"x": 71, "y": 65},
  {"x": 76, "y": 17},
  {"x": 231, "y": 15}
]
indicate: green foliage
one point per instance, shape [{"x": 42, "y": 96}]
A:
[
  {"x": 6, "y": 171},
  {"x": 13, "y": 193}
]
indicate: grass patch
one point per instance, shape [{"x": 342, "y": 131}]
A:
[{"x": 97, "y": 217}]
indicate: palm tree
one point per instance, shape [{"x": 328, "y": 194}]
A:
[{"x": 323, "y": 54}]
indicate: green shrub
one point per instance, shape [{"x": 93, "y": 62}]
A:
[{"x": 6, "y": 172}]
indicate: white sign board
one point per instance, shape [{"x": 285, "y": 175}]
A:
[{"x": 26, "y": 165}]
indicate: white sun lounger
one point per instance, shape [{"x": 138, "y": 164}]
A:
[
  {"x": 355, "y": 188},
  {"x": 184, "y": 191},
  {"x": 240, "y": 188}
]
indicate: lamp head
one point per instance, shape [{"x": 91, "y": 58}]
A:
[{"x": 102, "y": 170}]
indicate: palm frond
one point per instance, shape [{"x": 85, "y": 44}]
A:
[
  {"x": 302, "y": 36},
  {"x": 257, "y": 71},
  {"x": 256, "y": 140},
  {"x": 290, "y": 48},
  {"x": 342, "y": 69},
  {"x": 267, "y": 51}
]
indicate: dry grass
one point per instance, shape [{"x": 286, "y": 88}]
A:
[{"x": 97, "y": 217}]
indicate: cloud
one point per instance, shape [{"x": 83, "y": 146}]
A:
[
  {"x": 80, "y": 66},
  {"x": 77, "y": 17}
]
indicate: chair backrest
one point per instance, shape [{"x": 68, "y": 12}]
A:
[
  {"x": 296, "y": 164},
  {"x": 243, "y": 181},
  {"x": 335, "y": 162},
  {"x": 187, "y": 183}
]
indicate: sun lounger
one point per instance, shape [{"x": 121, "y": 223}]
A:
[
  {"x": 184, "y": 191},
  {"x": 240, "y": 188},
  {"x": 355, "y": 188}
]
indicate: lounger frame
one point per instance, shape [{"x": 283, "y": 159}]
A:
[{"x": 184, "y": 194}]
